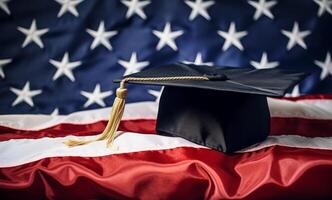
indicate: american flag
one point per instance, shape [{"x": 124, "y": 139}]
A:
[{"x": 57, "y": 62}]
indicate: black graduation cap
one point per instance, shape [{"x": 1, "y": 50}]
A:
[{"x": 222, "y": 108}]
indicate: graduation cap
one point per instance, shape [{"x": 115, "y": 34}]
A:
[{"x": 222, "y": 108}]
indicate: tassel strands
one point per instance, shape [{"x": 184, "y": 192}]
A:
[{"x": 109, "y": 133}]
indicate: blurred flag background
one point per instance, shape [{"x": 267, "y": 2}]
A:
[{"x": 57, "y": 62}]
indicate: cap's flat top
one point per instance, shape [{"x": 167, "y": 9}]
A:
[{"x": 268, "y": 82}]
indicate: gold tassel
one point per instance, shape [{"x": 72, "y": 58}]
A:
[
  {"x": 118, "y": 107},
  {"x": 113, "y": 123}
]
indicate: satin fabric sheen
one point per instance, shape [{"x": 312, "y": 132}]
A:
[{"x": 181, "y": 173}]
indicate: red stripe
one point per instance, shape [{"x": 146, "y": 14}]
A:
[
  {"x": 181, "y": 173},
  {"x": 309, "y": 97},
  {"x": 61, "y": 130},
  {"x": 279, "y": 126},
  {"x": 301, "y": 126}
]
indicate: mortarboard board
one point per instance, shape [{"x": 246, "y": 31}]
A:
[{"x": 222, "y": 108}]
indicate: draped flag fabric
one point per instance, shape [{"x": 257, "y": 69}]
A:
[{"x": 57, "y": 62}]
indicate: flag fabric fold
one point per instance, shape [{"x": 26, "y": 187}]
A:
[{"x": 285, "y": 165}]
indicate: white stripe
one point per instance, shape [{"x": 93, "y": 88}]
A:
[
  {"x": 306, "y": 108},
  {"x": 311, "y": 109},
  {"x": 20, "y": 151},
  {"x": 143, "y": 110},
  {"x": 296, "y": 141}
]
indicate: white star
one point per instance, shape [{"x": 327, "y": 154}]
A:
[
  {"x": 64, "y": 67},
  {"x": 96, "y": 96},
  {"x": 24, "y": 95},
  {"x": 199, "y": 7},
  {"x": 156, "y": 94},
  {"x": 3, "y": 62},
  {"x": 4, "y": 6},
  {"x": 326, "y": 66},
  {"x": 296, "y": 36},
  {"x": 55, "y": 112},
  {"x": 101, "y": 36},
  {"x": 33, "y": 34},
  {"x": 263, "y": 8},
  {"x": 232, "y": 37},
  {"x": 133, "y": 66},
  {"x": 68, "y": 5},
  {"x": 264, "y": 63},
  {"x": 199, "y": 61},
  {"x": 295, "y": 92},
  {"x": 167, "y": 37},
  {"x": 324, "y": 5},
  {"x": 135, "y": 7}
]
